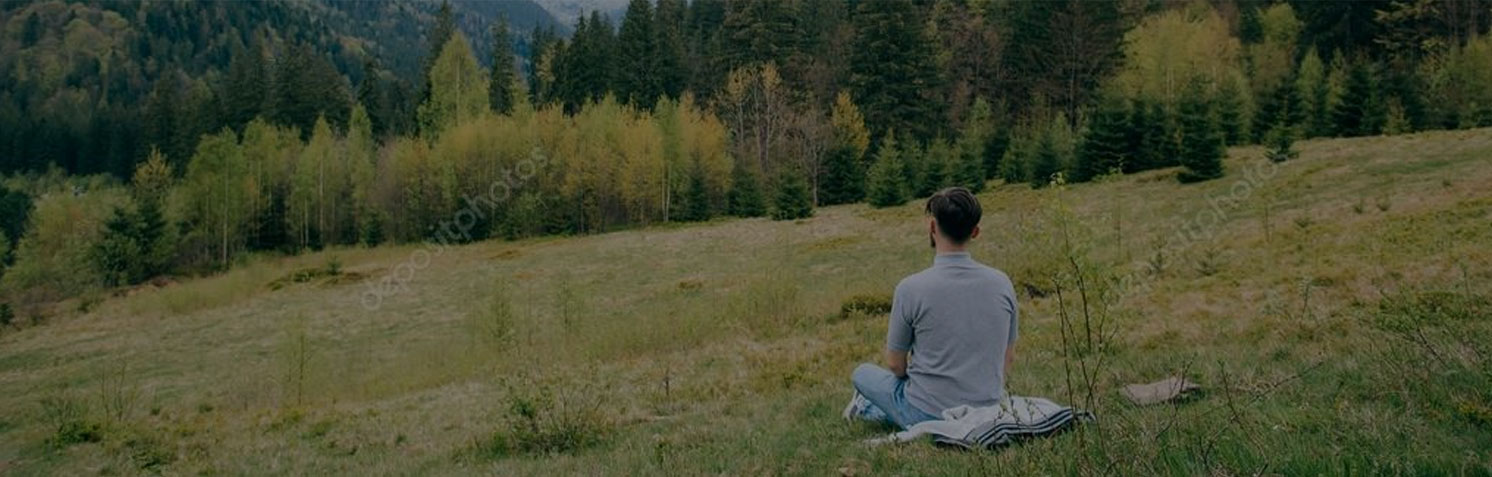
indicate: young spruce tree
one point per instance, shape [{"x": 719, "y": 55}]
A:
[
  {"x": 793, "y": 200},
  {"x": 1201, "y": 143},
  {"x": 1106, "y": 145},
  {"x": 886, "y": 179},
  {"x": 745, "y": 195}
]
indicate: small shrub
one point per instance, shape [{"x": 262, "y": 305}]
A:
[
  {"x": 118, "y": 394},
  {"x": 69, "y": 421},
  {"x": 296, "y": 356},
  {"x": 1383, "y": 203},
  {"x": 149, "y": 454},
  {"x": 7, "y": 315},
  {"x": 542, "y": 418},
  {"x": 1210, "y": 262},
  {"x": 691, "y": 285},
  {"x": 331, "y": 271},
  {"x": 1156, "y": 263},
  {"x": 1478, "y": 413},
  {"x": 494, "y": 323},
  {"x": 868, "y": 304}
]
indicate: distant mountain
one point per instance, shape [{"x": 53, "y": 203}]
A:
[
  {"x": 566, "y": 11},
  {"x": 76, "y": 75},
  {"x": 394, "y": 29}
]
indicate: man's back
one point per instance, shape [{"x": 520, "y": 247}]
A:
[{"x": 957, "y": 319}]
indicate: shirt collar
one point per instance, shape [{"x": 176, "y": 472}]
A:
[{"x": 952, "y": 258}]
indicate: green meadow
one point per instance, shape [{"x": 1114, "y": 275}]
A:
[{"x": 1334, "y": 308}]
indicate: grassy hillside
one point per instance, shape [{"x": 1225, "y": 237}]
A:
[{"x": 1335, "y": 308}]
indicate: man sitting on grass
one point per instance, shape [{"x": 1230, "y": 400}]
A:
[{"x": 952, "y": 330}]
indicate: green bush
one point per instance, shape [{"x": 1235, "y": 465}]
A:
[
  {"x": 135, "y": 245},
  {"x": 55, "y": 258},
  {"x": 69, "y": 421},
  {"x": 544, "y": 418},
  {"x": 794, "y": 200},
  {"x": 868, "y": 304},
  {"x": 886, "y": 181}
]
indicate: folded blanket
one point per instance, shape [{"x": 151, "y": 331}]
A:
[{"x": 1015, "y": 418}]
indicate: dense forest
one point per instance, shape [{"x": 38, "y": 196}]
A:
[{"x": 144, "y": 139}]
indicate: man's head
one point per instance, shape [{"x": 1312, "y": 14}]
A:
[{"x": 955, "y": 217}]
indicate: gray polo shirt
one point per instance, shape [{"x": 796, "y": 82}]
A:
[{"x": 957, "y": 319}]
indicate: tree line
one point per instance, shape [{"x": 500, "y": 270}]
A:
[{"x": 688, "y": 111}]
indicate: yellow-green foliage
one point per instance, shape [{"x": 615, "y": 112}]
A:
[
  {"x": 1168, "y": 49},
  {"x": 609, "y": 164},
  {"x": 1273, "y": 58},
  {"x": 52, "y": 259},
  {"x": 216, "y": 199},
  {"x": 1461, "y": 81},
  {"x": 458, "y": 89}
]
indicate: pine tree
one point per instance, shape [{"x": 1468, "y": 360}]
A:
[
  {"x": 500, "y": 92},
  {"x": 968, "y": 166},
  {"x": 844, "y": 177},
  {"x": 892, "y": 68},
  {"x": 1201, "y": 143},
  {"x": 745, "y": 195},
  {"x": 697, "y": 197},
  {"x": 886, "y": 181},
  {"x": 793, "y": 199},
  {"x": 374, "y": 97},
  {"x": 440, "y": 33},
  {"x": 1105, "y": 146},
  {"x": 1061, "y": 50},
  {"x": 668, "y": 26},
  {"x": 844, "y": 165},
  {"x": 162, "y": 118},
  {"x": 1358, "y": 113},
  {"x": 1013, "y": 164},
  {"x": 246, "y": 88},
  {"x": 637, "y": 82},
  {"x": 1311, "y": 88},
  {"x": 114, "y": 256},
  {"x": 934, "y": 168},
  {"x": 757, "y": 32},
  {"x": 981, "y": 138},
  {"x": 1046, "y": 161},
  {"x": 1281, "y": 141},
  {"x": 308, "y": 87},
  {"x": 1231, "y": 113},
  {"x": 1157, "y": 138},
  {"x": 1282, "y": 106}
]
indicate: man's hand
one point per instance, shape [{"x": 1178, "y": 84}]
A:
[{"x": 896, "y": 361}]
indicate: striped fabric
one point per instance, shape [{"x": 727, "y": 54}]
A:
[{"x": 1015, "y": 419}]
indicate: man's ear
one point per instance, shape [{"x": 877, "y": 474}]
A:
[{"x": 974, "y": 235}]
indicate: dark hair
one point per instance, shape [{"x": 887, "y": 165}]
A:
[{"x": 957, "y": 212}]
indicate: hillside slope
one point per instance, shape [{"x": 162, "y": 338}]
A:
[{"x": 1334, "y": 306}]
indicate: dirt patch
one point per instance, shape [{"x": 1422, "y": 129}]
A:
[
  {"x": 326, "y": 276},
  {"x": 508, "y": 254},
  {"x": 834, "y": 243}
]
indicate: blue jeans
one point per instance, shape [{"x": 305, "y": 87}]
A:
[{"x": 887, "y": 393}]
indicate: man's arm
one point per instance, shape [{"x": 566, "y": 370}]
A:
[
  {"x": 896, "y": 361},
  {"x": 1009, "y": 358},
  {"x": 899, "y": 333}
]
